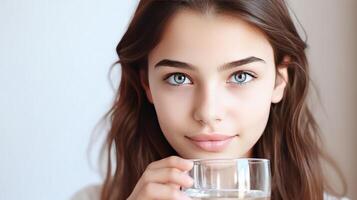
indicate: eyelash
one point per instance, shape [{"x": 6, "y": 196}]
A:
[{"x": 234, "y": 74}]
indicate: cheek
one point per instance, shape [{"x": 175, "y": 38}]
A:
[
  {"x": 252, "y": 110},
  {"x": 258, "y": 113},
  {"x": 172, "y": 109},
  {"x": 257, "y": 126}
]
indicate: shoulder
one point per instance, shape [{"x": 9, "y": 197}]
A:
[
  {"x": 91, "y": 192},
  {"x": 327, "y": 196}
]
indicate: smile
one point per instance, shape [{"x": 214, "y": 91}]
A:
[{"x": 211, "y": 145}]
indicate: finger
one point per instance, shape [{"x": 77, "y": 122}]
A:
[
  {"x": 161, "y": 192},
  {"x": 167, "y": 176},
  {"x": 172, "y": 161},
  {"x": 174, "y": 186}
]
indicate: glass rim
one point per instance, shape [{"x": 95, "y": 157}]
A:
[{"x": 220, "y": 160}]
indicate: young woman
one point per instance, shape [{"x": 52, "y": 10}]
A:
[{"x": 211, "y": 79}]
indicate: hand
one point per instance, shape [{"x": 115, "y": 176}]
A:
[{"x": 162, "y": 180}]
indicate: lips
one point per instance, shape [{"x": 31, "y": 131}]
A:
[{"x": 211, "y": 142}]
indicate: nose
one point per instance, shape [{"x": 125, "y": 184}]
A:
[{"x": 208, "y": 109}]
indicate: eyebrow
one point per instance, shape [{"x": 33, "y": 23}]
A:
[{"x": 179, "y": 64}]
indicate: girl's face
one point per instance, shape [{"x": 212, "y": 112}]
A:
[{"x": 209, "y": 75}]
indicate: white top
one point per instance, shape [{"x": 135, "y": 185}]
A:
[{"x": 92, "y": 192}]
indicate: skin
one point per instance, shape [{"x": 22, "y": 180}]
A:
[{"x": 208, "y": 100}]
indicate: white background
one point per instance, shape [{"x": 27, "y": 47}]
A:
[{"x": 54, "y": 60}]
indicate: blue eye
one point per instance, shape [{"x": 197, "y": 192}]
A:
[
  {"x": 241, "y": 78},
  {"x": 177, "y": 79}
]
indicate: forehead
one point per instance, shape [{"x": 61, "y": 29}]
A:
[{"x": 192, "y": 36}]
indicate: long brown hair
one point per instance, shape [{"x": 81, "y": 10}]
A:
[{"x": 291, "y": 139}]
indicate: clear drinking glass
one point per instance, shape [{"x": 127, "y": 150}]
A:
[{"x": 243, "y": 178}]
